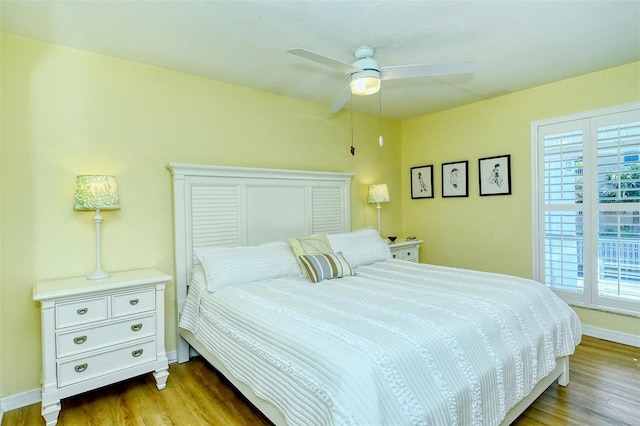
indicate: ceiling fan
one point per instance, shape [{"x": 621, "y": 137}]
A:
[{"x": 365, "y": 74}]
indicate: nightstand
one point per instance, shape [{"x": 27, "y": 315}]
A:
[
  {"x": 406, "y": 250},
  {"x": 95, "y": 333}
]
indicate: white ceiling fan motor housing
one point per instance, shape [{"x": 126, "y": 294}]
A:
[{"x": 367, "y": 81}]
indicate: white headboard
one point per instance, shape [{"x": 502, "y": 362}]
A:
[{"x": 231, "y": 206}]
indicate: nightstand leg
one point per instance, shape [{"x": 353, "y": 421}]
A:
[
  {"x": 50, "y": 413},
  {"x": 161, "y": 377}
]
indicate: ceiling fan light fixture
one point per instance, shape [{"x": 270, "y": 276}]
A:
[{"x": 365, "y": 82}]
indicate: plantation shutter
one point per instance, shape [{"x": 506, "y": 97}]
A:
[
  {"x": 587, "y": 204},
  {"x": 618, "y": 207},
  {"x": 563, "y": 208}
]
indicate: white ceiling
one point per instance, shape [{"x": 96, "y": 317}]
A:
[{"x": 515, "y": 44}]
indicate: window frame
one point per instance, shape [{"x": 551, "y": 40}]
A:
[{"x": 588, "y": 122}]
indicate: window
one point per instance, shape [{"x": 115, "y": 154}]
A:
[{"x": 586, "y": 207}]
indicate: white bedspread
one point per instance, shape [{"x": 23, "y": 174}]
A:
[{"x": 401, "y": 343}]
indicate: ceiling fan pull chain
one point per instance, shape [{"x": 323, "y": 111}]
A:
[
  {"x": 353, "y": 148},
  {"x": 380, "y": 139}
]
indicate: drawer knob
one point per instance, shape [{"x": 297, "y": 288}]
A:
[
  {"x": 80, "y": 368},
  {"x": 79, "y": 340},
  {"x": 136, "y": 327},
  {"x": 133, "y": 301},
  {"x": 82, "y": 311},
  {"x": 137, "y": 352}
]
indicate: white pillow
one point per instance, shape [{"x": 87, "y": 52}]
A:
[
  {"x": 360, "y": 247},
  {"x": 227, "y": 266}
]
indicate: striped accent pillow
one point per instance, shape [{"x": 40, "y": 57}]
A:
[{"x": 325, "y": 266}]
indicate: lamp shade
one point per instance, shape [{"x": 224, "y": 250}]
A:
[
  {"x": 96, "y": 192},
  {"x": 378, "y": 193}
]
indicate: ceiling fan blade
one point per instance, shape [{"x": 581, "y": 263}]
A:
[
  {"x": 342, "y": 99},
  {"x": 325, "y": 60},
  {"x": 411, "y": 71}
]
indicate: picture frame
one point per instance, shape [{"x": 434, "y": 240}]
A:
[
  {"x": 455, "y": 179},
  {"x": 494, "y": 174},
  {"x": 422, "y": 182}
]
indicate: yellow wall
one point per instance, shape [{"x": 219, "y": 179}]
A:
[
  {"x": 494, "y": 233},
  {"x": 66, "y": 112},
  {"x": 1, "y": 319}
]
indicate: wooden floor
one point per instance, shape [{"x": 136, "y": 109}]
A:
[{"x": 604, "y": 390}]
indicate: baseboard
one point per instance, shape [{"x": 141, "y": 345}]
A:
[
  {"x": 611, "y": 335},
  {"x": 19, "y": 400}
]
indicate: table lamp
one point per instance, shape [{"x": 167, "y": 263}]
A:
[
  {"x": 378, "y": 194},
  {"x": 96, "y": 192}
]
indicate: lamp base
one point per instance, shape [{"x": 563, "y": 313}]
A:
[{"x": 98, "y": 275}]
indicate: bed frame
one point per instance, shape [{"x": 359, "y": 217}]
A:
[{"x": 231, "y": 206}]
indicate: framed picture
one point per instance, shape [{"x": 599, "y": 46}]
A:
[
  {"x": 495, "y": 175},
  {"x": 422, "y": 182},
  {"x": 455, "y": 180}
]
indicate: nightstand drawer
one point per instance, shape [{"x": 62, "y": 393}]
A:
[
  {"x": 405, "y": 253},
  {"x": 86, "y": 368},
  {"x": 88, "y": 339},
  {"x": 134, "y": 302},
  {"x": 410, "y": 254},
  {"x": 81, "y": 311},
  {"x": 406, "y": 250}
]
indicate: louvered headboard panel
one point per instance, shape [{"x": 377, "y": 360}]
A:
[{"x": 231, "y": 206}]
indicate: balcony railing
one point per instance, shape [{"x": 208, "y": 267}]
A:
[{"x": 616, "y": 256}]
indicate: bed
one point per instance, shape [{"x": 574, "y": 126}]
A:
[{"x": 375, "y": 340}]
